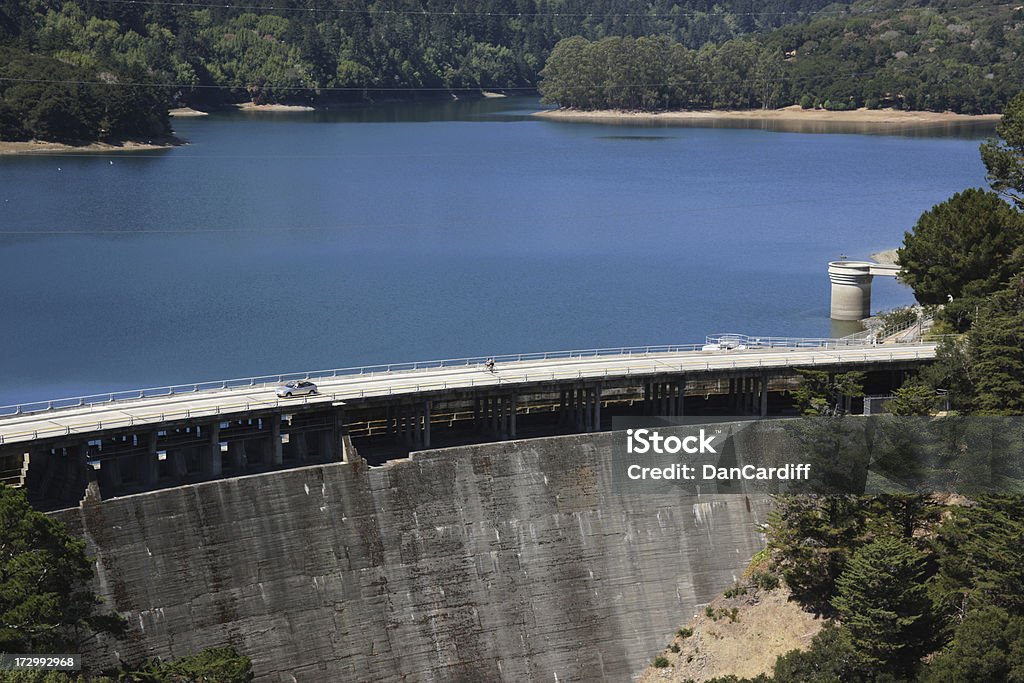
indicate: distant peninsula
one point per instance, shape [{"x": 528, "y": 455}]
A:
[{"x": 791, "y": 113}]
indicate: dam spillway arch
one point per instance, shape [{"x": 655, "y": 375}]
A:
[{"x": 509, "y": 561}]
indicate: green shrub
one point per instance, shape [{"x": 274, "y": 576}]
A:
[
  {"x": 766, "y": 581},
  {"x": 660, "y": 662},
  {"x": 684, "y": 632},
  {"x": 735, "y": 591}
]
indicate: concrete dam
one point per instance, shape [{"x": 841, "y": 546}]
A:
[{"x": 507, "y": 561}]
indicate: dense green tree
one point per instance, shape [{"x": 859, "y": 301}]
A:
[
  {"x": 811, "y": 538},
  {"x": 909, "y": 592},
  {"x": 908, "y": 61},
  {"x": 824, "y": 393},
  {"x": 838, "y": 451},
  {"x": 900, "y": 455},
  {"x": 1004, "y": 158},
  {"x": 988, "y": 646},
  {"x": 831, "y": 658},
  {"x": 914, "y": 398},
  {"x": 900, "y": 516},
  {"x": 659, "y": 54},
  {"x": 983, "y": 371},
  {"x": 909, "y": 584},
  {"x": 51, "y": 677},
  {"x": 213, "y": 665},
  {"x": 45, "y": 602},
  {"x": 967, "y": 246},
  {"x": 990, "y": 453},
  {"x": 882, "y": 600},
  {"x": 952, "y": 373},
  {"x": 49, "y": 100},
  {"x": 996, "y": 343},
  {"x": 981, "y": 557}
]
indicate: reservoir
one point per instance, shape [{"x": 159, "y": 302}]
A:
[{"x": 291, "y": 241}]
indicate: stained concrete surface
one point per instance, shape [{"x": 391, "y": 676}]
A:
[{"x": 512, "y": 561}]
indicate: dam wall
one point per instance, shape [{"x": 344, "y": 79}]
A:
[{"x": 509, "y": 561}]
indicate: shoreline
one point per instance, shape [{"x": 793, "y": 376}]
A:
[
  {"x": 186, "y": 112},
  {"x": 29, "y": 147},
  {"x": 276, "y": 107},
  {"x": 249, "y": 106},
  {"x": 790, "y": 114}
]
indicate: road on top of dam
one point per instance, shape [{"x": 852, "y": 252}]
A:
[{"x": 124, "y": 412}]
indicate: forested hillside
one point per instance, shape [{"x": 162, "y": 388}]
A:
[
  {"x": 108, "y": 69},
  {"x": 309, "y": 51},
  {"x": 964, "y": 57}
]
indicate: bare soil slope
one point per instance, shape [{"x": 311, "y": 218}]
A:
[{"x": 767, "y": 624}]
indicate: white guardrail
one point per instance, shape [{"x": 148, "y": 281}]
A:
[
  {"x": 923, "y": 325},
  {"x": 724, "y": 342}
]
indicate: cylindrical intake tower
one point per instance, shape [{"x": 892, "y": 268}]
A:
[{"x": 851, "y": 289}]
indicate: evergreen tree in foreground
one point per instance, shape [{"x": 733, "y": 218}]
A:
[
  {"x": 46, "y": 605},
  {"x": 989, "y": 646},
  {"x": 882, "y": 600},
  {"x": 968, "y": 246},
  {"x": 1005, "y": 159},
  {"x": 996, "y": 343}
]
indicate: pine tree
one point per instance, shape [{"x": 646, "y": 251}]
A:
[
  {"x": 914, "y": 398},
  {"x": 996, "y": 341},
  {"x": 1005, "y": 159},
  {"x": 811, "y": 538},
  {"x": 45, "y": 602},
  {"x": 968, "y": 246},
  {"x": 981, "y": 557},
  {"x": 988, "y": 646},
  {"x": 882, "y": 600}
]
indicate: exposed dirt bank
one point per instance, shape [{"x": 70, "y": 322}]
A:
[
  {"x": 186, "y": 112},
  {"x": 249, "y": 106},
  {"x": 41, "y": 147},
  {"x": 767, "y": 624},
  {"x": 791, "y": 114}
]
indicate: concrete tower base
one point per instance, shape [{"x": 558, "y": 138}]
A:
[{"x": 851, "y": 289}]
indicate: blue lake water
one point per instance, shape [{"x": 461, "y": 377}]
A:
[{"x": 276, "y": 243}]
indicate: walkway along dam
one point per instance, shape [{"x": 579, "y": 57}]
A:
[{"x": 430, "y": 521}]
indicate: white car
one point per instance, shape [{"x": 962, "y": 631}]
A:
[
  {"x": 296, "y": 387},
  {"x": 725, "y": 345}
]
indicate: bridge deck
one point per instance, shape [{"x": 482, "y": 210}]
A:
[{"x": 225, "y": 402}]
